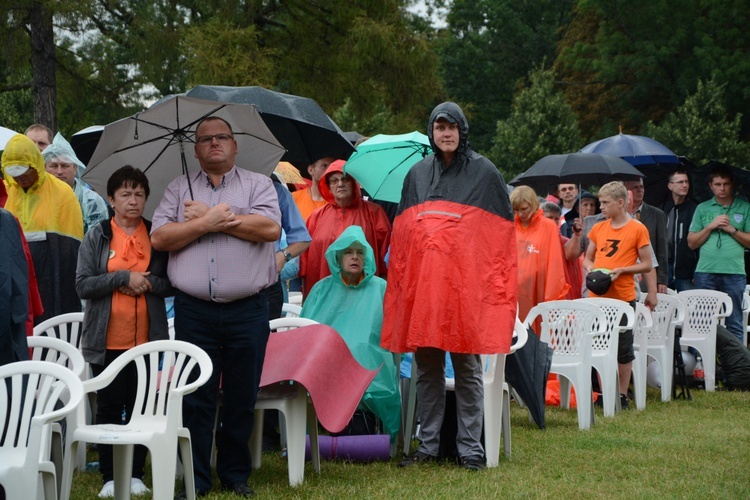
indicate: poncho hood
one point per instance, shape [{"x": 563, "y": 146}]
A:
[
  {"x": 454, "y": 114},
  {"x": 350, "y": 236},
  {"x": 338, "y": 166},
  {"x": 61, "y": 150},
  {"x": 20, "y": 150}
]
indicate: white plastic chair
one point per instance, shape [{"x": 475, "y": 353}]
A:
[
  {"x": 703, "y": 309},
  {"x": 290, "y": 310},
  {"x": 299, "y": 415},
  {"x": 68, "y": 328},
  {"x": 29, "y": 392},
  {"x": 295, "y": 298},
  {"x": 668, "y": 313},
  {"x": 569, "y": 327},
  {"x": 156, "y": 421},
  {"x": 641, "y": 329},
  {"x": 57, "y": 351},
  {"x": 604, "y": 353}
]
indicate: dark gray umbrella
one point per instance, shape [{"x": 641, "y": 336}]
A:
[
  {"x": 635, "y": 149},
  {"x": 527, "y": 371},
  {"x": 700, "y": 177},
  {"x": 299, "y": 123},
  {"x": 575, "y": 168}
]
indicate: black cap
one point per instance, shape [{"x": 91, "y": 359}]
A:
[
  {"x": 446, "y": 116},
  {"x": 598, "y": 282}
]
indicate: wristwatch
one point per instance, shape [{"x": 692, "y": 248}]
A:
[
  {"x": 287, "y": 255},
  {"x": 736, "y": 230}
]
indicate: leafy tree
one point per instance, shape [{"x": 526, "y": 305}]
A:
[
  {"x": 701, "y": 128},
  {"x": 540, "y": 123},
  {"x": 490, "y": 46},
  {"x": 630, "y": 62}
]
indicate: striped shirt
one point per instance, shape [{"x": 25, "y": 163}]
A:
[{"x": 218, "y": 267}]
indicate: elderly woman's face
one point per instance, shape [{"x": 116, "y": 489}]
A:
[
  {"x": 128, "y": 201},
  {"x": 524, "y": 211}
]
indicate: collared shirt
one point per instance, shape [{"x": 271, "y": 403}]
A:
[
  {"x": 293, "y": 225},
  {"x": 721, "y": 253},
  {"x": 219, "y": 267}
]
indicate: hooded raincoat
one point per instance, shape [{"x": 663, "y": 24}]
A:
[
  {"x": 356, "y": 312},
  {"x": 93, "y": 206},
  {"x": 452, "y": 281},
  {"x": 541, "y": 263},
  {"x": 51, "y": 219},
  {"x": 328, "y": 222}
]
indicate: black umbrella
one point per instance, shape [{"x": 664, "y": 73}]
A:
[
  {"x": 299, "y": 123},
  {"x": 527, "y": 371},
  {"x": 700, "y": 176},
  {"x": 657, "y": 179},
  {"x": 575, "y": 168},
  {"x": 84, "y": 142}
]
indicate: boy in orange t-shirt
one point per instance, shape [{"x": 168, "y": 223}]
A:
[{"x": 619, "y": 243}]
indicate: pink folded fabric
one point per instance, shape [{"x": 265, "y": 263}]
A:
[{"x": 318, "y": 358}]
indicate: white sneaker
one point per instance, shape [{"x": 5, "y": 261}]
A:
[
  {"x": 108, "y": 491},
  {"x": 137, "y": 487}
]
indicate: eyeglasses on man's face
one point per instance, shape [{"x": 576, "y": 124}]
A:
[
  {"x": 205, "y": 140},
  {"x": 333, "y": 181}
]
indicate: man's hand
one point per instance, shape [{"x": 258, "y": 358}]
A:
[
  {"x": 651, "y": 300},
  {"x": 721, "y": 222},
  {"x": 220, "y": 218},
  {"x": 280, "y": 261},
  {"x": 577, "y": 225},
  {"x": 615, "y": 273},
  {"x": 195, "y": 209},
  {"x": 661, "y": 288}
]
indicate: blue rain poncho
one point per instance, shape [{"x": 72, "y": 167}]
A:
[{"x": 356, "y": 312}]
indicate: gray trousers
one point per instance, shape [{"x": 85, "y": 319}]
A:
[{"x": 431, "y": 397}]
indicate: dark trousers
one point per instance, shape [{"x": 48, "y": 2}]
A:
[
  {"x": 112, "y": 402},
  {"x": 234, "y": 335}
]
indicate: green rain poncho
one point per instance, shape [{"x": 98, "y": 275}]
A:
[{"x": 356, "y": 312}]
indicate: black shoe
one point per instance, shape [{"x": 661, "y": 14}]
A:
[
  {"x": 417, "y": 458},
  {"x": 241, "y": 489},
  {"x": 473, "y": 463},
  {"x": 624, "y": 402}
]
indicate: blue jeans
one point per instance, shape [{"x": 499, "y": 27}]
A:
[
  {"x": 234, "y": 335},
  {"x": 734, "y": 286}
]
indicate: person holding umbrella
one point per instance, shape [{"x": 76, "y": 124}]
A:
[
  {"x": 310, "y": 199},
  {"x": 221, "y": 260},
  {"x": 452, "y": 281}
]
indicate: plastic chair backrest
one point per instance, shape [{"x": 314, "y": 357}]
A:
[
  {"x": 170, "y": 328},
  {"x": 65, "y": 327},
  {"x": 567, "y": 325},
  {"x": 29, "y": 392},
  {"x": 282, "y": 324},
  {"x": 703, "y": 308},
  {"x": 614, "y": 311},
  {"x": 57, "y": 351},
  {"x": 159, "y": 397},
  {"x": 643, "y": 325},
  {"x": 290, "y": 310},
  {"x": 669, "y": 311}
]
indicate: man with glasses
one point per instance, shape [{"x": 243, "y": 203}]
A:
[
  {"x": 221, "y": 260},
  {"x": 720, "y": 229},
  {"x": 568, "y": 197},
  {"x": 680, "y": 209},
  {"x": 345, "y": 208}
]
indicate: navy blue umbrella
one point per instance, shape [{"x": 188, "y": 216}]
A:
[{"x": 635, "y": 149}]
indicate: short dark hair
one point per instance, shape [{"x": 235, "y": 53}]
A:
[
  {"x": 682, "y": 172},
  {"x": 210, "y": 119},
  {"x": 720, "y": 170},
  {"x": 127, "y": 176}
]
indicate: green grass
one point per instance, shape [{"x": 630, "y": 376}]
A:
[{"x": 680, "y": 449}]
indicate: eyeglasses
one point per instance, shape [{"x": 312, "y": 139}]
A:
[
  {"x": 563, "y": 190},
  {"x": 337, "y": 180},
  {"x": 205, "y": 140}
]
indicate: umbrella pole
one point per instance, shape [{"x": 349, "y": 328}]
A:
[{"x": 185, "y": 170}]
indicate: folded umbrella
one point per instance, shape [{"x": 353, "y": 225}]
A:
[
  {"x": 160, "y": 141},
  {"x": 527, "y": 371}
]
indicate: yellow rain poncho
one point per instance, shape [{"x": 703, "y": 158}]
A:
[{"x": 52, "y": 223}]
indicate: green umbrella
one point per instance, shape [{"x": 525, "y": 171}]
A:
[{"x": 381, "y": 163}]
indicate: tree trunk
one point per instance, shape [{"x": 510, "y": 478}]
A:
[{"x": 43, "y": 65}]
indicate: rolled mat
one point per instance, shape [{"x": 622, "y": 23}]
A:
[{"x": 353, "y": 448}]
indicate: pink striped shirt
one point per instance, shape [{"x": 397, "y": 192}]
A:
[{"x": 219, "y": 267}]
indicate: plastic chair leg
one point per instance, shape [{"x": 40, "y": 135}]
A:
[
  {"x": 506, "y": 421},
  {"x": 312, "y": 429},
  {"x": 123, "y": 469},
  {"x": 256, "y": 440},
  {"x": 295, "y": 412},
  {"x": 667, "y": 376},
  {"x": 186, "y": 455},
  {"x": 165, "y": 456}
]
